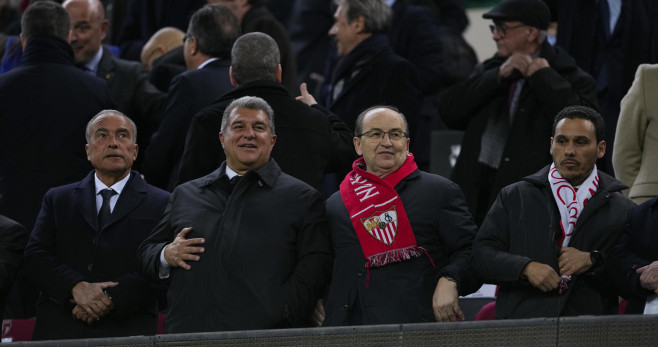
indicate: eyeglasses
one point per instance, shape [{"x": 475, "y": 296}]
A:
[
  {"x": 393, "y": 135},
  {"x": 187, "y": 36},
  {"x": 502, "y": 29}
]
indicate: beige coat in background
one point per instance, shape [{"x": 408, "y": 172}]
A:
[{"x": 635, "y": 154}]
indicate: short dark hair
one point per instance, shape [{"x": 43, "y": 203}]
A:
[
  {"x": 358, "y": 127},
  {"x": 252, "y": 103},
  {"x": 45, "y": 18},
  {"x": 378, "y": 16},
  {"x": 255, "y": 56},
  {"x": 582, "y": 112},
  {"x": 105, "y": 113},
  {"x": 215, "y": 29}
]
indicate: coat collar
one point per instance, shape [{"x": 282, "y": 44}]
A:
[
  {"x": 258, "y": 87},
  {"x": 85, "y": 199},
  {"x": 267, "y": 174},
  {"x": 606, "y": 182},
  {"x": 47, "y": 49}
]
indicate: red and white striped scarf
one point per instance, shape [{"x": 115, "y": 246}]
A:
[{"x": 571, "y": 201}]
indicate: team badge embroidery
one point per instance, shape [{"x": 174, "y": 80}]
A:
[{"x": 382, "y": 225}]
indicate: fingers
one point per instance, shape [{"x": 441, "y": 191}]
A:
[
  {"x": 183, "y": 233},
  {"x": 302, "y": 89},
  {"x": 318, "y": 314},
  {"x": 641, "y": 270},
  {"x": 458, "y": 311}
]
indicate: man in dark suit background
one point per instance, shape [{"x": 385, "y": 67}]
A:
[
  {"x": 633, "y": 262},
  {"x": 254, "y": 16},
  {"x": 128, "y": 82},
  {"x": 144, "y": 17},
  {"x": 44, "y": 106},
  {"x": 207, "y": 49},
  {"x": 81, "y": 253},
  {"x": 13, "y": 238},
  {"x": 256, "y": 71},
  {"x": 368, "y": 72}
]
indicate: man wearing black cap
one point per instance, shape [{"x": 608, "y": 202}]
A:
[{"x": 506, "y": 107}]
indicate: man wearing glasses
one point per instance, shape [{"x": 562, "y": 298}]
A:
[
  {"x": 401, "y": 236},
  {"x": 507, "y": 106}
]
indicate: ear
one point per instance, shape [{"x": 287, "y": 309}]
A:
[
  {"x": 136, "y": 149},
  {"x": 23, "y": 41},
  {"x": 357, "y": 145},
  {"x": 221, "y": 139},
  {"x": 193, "y": 45},
  {"x": 532, "y": 34},
  {"x": 230, "y": 74},
  {"x": 87, "y": 151},
  {"x": 279, "y": 73},
  {"x": 601, "y": 150},
  {"x": 273, "y": 139},
  {"x": 359, "y": 24}
]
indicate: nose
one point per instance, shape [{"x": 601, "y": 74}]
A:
[
  {"x": 570, "y": 151},
  {"x": 333, "y": 30},
  {"x": 249, "y": 132},
  {"x": 386, "y": 140}
]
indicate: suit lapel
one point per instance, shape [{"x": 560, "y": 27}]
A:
[
  {"x": 131, "y": 196},
  {"x": 106, "y": 68},
  {"x": 84, "y": 197},
  {"x": 352, "y": 81}
]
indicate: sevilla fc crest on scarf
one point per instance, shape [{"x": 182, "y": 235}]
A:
[{"x": 382, "y": 225}]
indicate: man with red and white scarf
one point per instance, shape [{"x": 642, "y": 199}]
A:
[
  {"x": 546, "y": 238},
  {"x": 402, "y": 237}
]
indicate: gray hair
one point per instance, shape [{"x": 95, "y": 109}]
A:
[
  {"x": 107, "y": 113},
  {"x": 45, "y": 18},
  {"x": 215, "y": 28},
  {"x": 252, "y": 103},
  {"x": 358, "y": 127},
  {"x": 255, "y": 56},
  {"x": 378, "y": 16}
]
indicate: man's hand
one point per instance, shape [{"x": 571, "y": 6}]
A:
[
  {"x": 79, "y": 313},
  {"x": 182, "y": 250},
  {"x": 317, "y": 317},
  {"x": 92, "y": 299},
  {"x": 649, "y": 276},
  {"x": 306, "y": 97},
  {"x": 516, "y": 62},
  {"x": 573, "y": 262},
  {"x": 445, "y": 301},
  {"x": 535, "y": 65},
  {"x": 541, "y": 276}
]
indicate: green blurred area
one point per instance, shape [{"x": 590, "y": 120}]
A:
[{"x": 480, "y": 3}]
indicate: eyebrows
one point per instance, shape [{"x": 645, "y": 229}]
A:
[
  {"x": 579, "y": 138},
  {"x": 117, "y": 131}
]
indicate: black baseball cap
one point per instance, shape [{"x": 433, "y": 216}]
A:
[{"x": 533, "y": 13}]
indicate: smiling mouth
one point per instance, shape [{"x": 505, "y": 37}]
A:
[{"x": 248, "y": 146}]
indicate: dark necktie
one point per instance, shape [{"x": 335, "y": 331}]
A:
[
  {"x": 235, "y": 180},
  {"x": 104, "y": 213}
]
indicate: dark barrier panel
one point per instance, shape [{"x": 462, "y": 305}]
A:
[{"x": 622, "y": 330}]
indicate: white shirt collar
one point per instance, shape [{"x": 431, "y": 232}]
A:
[
  {"x": 93, "y": 64},
  {"x": 230, "y": 173},
  {"x": 210, "y": 60},
  {"x": 118, "y": 187}
]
